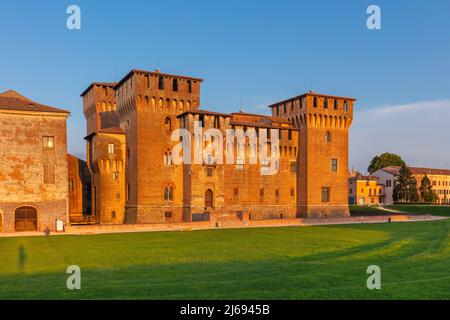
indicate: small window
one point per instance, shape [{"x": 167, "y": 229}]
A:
[
  {"x": 345, "y": 105},
  {"x": 292, "y": 192},
  {"x": 325, "y": 194},
  {"x": 113, "y": 214},
  {"x": 334, "y": 165},
  {"x": 209, "y": 172},
  {"x": 336, "y": 104},
  {"x": 284, "y": 108},
  {"x": 148, "y": 80},
  {"x": 325, "y": 103},
  {"x": 48, "y": 142},
  {"x": 261, "y": 193},
  {"x": 277, "y": 193},
  {"x": 168, "y": 124},
  {"x": 289, "y": 134},
  {"x": 315, "y": 102},
  {"x": 236, "y": 191},
  {"x": 168, "y": 193},
  {"x": 111, "y": 148},
  {"x": 189, "y": 86},
  {"x": 328, "y": 137},
  {"x": 216, "y": 122},
  {"x": 175, "y": 85},
  {"x": 168, "y": 214},
  {"x": 161, "y": 83}
]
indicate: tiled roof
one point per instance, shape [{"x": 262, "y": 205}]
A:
[
  {"x": 395, "y": 170},
  {"x": 11, "y": 100},
  {"x": 416, "y": 170}
]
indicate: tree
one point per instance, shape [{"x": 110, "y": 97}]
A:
[
  {"x": 426, "y": 190},
  {"x": 405, "y": 189},
  {"x": 385, "y": 160}
]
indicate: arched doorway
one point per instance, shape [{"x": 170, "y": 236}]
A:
[
  {"x": 26, "y": 219},
  {"x": 208, "y": 198}
]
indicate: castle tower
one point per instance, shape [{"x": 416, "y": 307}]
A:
[
  {"x": 322, "y": 174},
  {"x": 105, "y": 154},
  {"x": 148, "y": 104}
]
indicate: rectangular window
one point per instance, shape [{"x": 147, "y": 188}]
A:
[
  {"x": 110, "y": 148},
  {"x": 48, "y": 142},
  {"x": 292, "y": 192},
  {"x": 334, "y": 165},
  {"x": 113, "y": 214},
  {"x": 261, "y": 193},
  {"x": 290, "y": 134},
  {"x": 175, "y": 85},
  {"x": 190, "y": 86},
  {"x": 161, "y": 83},
  {"x": 209, "y": 172},
  {"x": 236, "y": 192},
  {"x": 325, "y": 194},
  {"x": 277, "y": 193}
]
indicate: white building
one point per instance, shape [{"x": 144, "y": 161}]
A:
[{"x": 387, "y": 177}]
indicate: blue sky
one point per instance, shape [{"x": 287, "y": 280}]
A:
[{"x": 250, "y": 53}]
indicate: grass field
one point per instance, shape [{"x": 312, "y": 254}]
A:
[
  {"x": 326, "y": 262},
  {"x": 421, "y": 209}
]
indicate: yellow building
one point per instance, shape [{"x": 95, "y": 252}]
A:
[
  {"x": 365, "y": 190},
  {"x": 440, "y": 181}
]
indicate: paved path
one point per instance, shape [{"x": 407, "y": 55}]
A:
[{"x": 105, "y": 229}]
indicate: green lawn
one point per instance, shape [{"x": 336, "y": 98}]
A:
[
  {"x": 326, "y": 262},
  {"x": 423, "y": 209}
]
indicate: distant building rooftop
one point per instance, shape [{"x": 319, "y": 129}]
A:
[{"x": 417, "y": 170}]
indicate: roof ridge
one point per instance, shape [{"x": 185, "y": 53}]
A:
[{"x": 14, "y": 95}]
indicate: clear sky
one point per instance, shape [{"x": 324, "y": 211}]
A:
[{"x": 250, "y": 53}]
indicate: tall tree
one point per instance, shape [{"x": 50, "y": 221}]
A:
[
  {"x": 385, "y": 160},
  {"x": 426, "y": 190},
  {"x": 405, "y": 189}
]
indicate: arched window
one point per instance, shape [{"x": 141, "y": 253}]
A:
[
  {"x": 209, "y": 199},
  {"x": 168, "y": 193},
  {"x": 160, "y": 104},
  {"x": 168, "y": 124},
  {"x": 25, "y": 219},
  {"x": 328, "y": 137}
]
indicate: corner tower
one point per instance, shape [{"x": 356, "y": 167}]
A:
[
  {"x": 105, "y": 153},
  {"x": 322, "y": 172}
]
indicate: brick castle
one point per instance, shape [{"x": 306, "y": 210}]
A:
[{"x": 129, "y": 176}]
